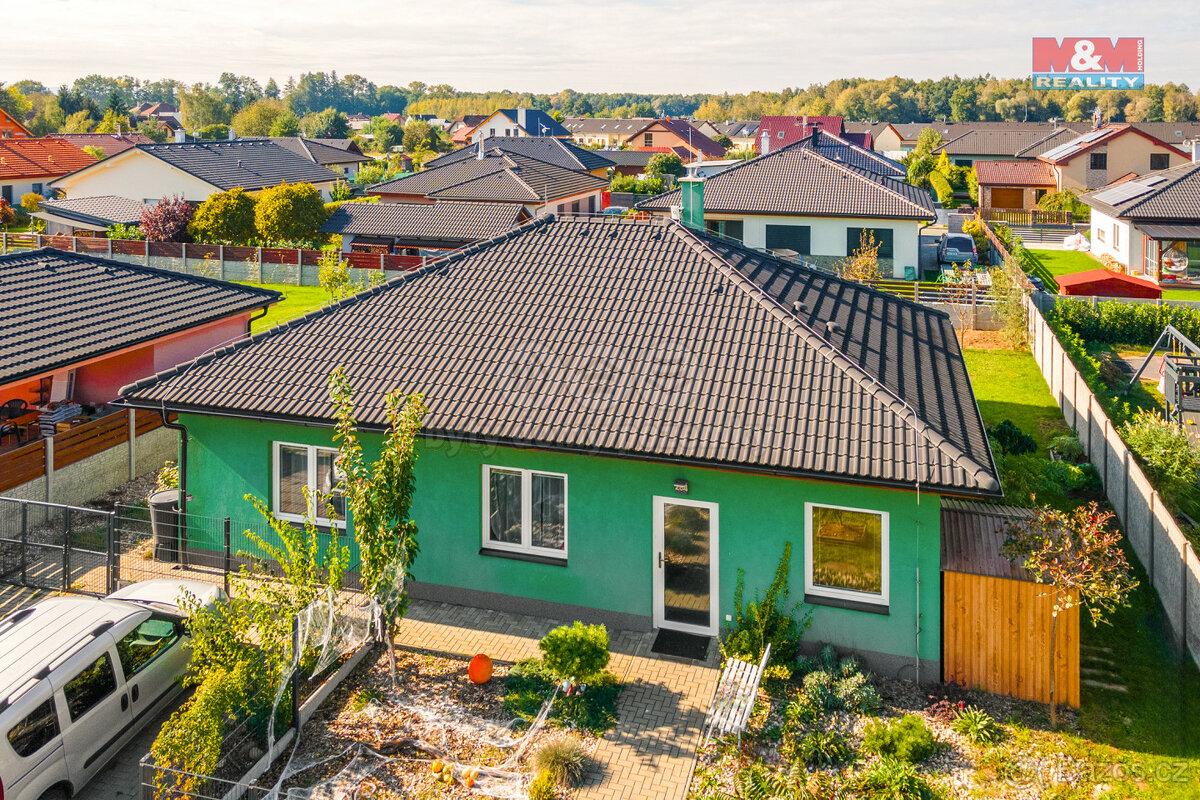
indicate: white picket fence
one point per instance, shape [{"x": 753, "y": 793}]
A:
[{"x": 1160, "y": 545}]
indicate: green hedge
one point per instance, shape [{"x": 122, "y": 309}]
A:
[{"x": 1125, "y": 323}]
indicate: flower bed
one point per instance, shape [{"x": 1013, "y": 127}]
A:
[{"x": 434, "y": 703}]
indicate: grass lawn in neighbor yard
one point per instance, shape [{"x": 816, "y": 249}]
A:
[
  {"x": 297, "y": 301},
  {"x": 1049, "y": 264},
  {"x": 1008, "y": 385}
]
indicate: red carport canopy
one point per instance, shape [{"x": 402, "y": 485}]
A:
[{"x": 1106, "y": 283}]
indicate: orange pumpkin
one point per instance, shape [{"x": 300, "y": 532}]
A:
[{"x": 480, "y": 669}]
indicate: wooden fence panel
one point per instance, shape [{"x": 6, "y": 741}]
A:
[
  {"x": 239, "y": 253},
  {"x": 165, "y": 249},
  {"x": 126, "y": 247},
  {"x": 22, "y": 465},
  {"x": 996, "y": 637},
  {"x": 91, "y": 245},
  {"x": 146, "y": 421},
  {"x": 86, "y": 440}
]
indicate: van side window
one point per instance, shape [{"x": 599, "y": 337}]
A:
[
  {"x": 91, "y": 686},
  {"x": 144, "y": 643},
  {"x": 32, "y": 733}
]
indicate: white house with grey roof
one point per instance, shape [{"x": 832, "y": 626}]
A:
[
  {"x": 195, "y": 171},
  {"x": 813, "y": 202}
]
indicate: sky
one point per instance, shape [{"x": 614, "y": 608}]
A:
[{"x": 646, "y": 46}]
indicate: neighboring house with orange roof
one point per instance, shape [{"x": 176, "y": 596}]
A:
[
  {"x": 1014, "y": 184},
  {"x": 10, "y": 128},
  {"x": 28, "y": 165},
  {"x": 661, "y": 135},
  {"x": 110, "y": 143},
  {"x": 461, "y": 128}
]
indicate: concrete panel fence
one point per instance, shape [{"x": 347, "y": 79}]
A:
[{"x": 1167, "y": 555}]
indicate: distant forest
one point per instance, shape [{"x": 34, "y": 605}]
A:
[{"x": 83, "y": 104}]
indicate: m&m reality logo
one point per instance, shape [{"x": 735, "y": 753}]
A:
[{"x": 1089, "y": 63}]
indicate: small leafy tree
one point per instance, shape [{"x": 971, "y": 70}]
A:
[
  {"x": 765, "y": 621},
  {"x": 724, "y": 141},
  {"x": 154, "y": 130},
  {"x": 286, "y": 124},
  {"x": 167, "y": 220},
  {"x": 1079, "y": 556},
  {"x": 419, "y": 135},
  {"x": 119, "y": 230},
  {"x": 30, "y": 201},
  {"x": 7, "y": 215},
  {"x": 224, "y": 218},
  {"x": 290, "y": 212},
  {"x": 379, "y": 498},
  {"x": 340, "y": 191},
  {"x": 327, "y": 124},
  {"x": 1008, "y": 290},
  {"x": 217, "y": 131},
  {"x": 334, "y": 274},
  {"x": 578, "y": 652},
  {"x": 665, "y": 164},
  {"x": 863, "y": 265},
  {"x": 94, "y": 151},
  {"x": 1012, "y": 440}
]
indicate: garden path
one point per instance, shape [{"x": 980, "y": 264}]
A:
[{"x": 651, "y": 751}]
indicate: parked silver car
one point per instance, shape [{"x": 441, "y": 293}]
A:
[
  {"x": 957, "y": 248},
  {"x": 80, "y": 676}
]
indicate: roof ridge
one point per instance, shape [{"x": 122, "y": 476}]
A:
[
  {"x": 867, "y": 179},
  {"x": 325, "y": 310},
  {"x": 1185, "y": 171},
  {"x": 868, "y": 382}
]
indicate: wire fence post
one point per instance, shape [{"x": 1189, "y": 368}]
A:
[
  {"x": 226, "y": 566},
  {"x": 24, "y": 541},
  {"x": 113, "y": 571},
  {"x": 295, "y": 677},
  {"x": 66, "y": 559}
]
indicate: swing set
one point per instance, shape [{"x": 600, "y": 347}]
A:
[{"x": 1180, "y": 381}]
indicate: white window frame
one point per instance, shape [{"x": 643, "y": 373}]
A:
[
  {"x": 881, "y": 599},
  {"x": 526, "y": 546},
  {"x": 312, "y": 487}
]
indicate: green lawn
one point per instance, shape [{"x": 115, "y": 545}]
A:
[
  {"x": 1008, "y": 385},
  {"x": 297, "y": 301},
  {"x": 1049, "y": 264}
]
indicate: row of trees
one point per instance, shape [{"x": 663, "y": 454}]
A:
[
  {"x": 290, "y": 214},
  {"x": 892, "y": 99}
]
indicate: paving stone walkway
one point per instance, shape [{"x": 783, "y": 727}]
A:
[{"x": 651, "y": 751}]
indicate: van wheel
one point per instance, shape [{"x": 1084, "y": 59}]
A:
[{"x": 57, "y": 793}]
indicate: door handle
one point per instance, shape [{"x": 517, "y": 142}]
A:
[
  {"x": 660, "y": 560},
  {"x": 134, "y": 691},
  {"x": 124, "y": 702}
]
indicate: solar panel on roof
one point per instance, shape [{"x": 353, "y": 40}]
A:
[
  {"x": 1122, "y": 192},
  {"x": 1094, "y": 135},
  {"x": 1061, "y": 150},
  {"x": 1154, "y": 180}
]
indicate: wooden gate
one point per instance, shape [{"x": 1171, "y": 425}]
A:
[{"x": 996, "y": 637}]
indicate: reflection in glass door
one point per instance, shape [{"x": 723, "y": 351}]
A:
[{"x": 685, "y": 553}]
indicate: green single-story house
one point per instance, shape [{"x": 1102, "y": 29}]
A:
[{"x": 622, "y": 415}]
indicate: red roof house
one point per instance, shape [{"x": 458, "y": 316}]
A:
[
  {"x": 780, "y": 131},
  {"x": 26, "y": 165},
  {"x": 662, "y": 135},
  {"x": 1106, "y": 283},
  {"x": 10, "y": 128}
]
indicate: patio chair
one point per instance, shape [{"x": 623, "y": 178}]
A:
[{"x": 13, "y": 408}]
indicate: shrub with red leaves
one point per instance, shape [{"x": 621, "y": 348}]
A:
[{"x": 167, "y": 220}]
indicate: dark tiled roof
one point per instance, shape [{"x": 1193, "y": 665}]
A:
[
  {"x": 442, "y": 221},
  {"x": 642, "y": 340},
  {"x": 995, "y": 142},
  {"x": 799, "y": 181},
  {"x": 1015, "y": 173},
  {"x": 318, "y": 152},
  {"x": 554, "y": 151},
  {"x": 103, "y": 210},
  {"x": 628, "y": 158},
  {"x": 840, "y": 149},
  {"x": 606, "y": 126},
  {"x": 737, "y": 129},
  {"x": 973, "y": 535},
  {"x": 1169, "y": 194},
  {"x": 1047, "y": 142},
  {"x": 248, "y": 163},
  {"x": 58, "y": 308},
  {"x": 496, "y": 176}
]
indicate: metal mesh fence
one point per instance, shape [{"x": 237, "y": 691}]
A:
[{"x": 50, "y": 546}]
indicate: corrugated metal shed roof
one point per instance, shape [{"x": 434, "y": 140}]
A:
[
  {"x": 973, "y": 535},
  {"x": 640, "y": 340}
]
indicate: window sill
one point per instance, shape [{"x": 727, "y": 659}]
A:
[
  {"x": 849, "y": 605},
  {"x": 530, "y": 557}
]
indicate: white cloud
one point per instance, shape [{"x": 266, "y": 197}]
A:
[{"x": 542, "y": 45}]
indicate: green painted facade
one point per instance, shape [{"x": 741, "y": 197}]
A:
[{"x": 610, "y": 527}]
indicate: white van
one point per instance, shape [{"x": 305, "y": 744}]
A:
[{"x": 80, "y": 676}]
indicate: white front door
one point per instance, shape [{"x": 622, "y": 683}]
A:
[{"x": 686, "y": 580}]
